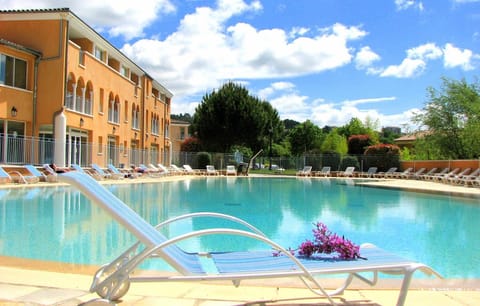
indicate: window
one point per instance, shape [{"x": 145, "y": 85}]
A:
[
  {"x": 135, "y": 117},
  {"x": 81, "y": 58},
  {"x": 111, "y": 110},
  {"x": 124, "y": 71},
  {"x": 13, "y": 71},
  {"x": 154, "y": 125},
  {"x": 99, "y": 53},
  {"x": 116, "y": 112}
]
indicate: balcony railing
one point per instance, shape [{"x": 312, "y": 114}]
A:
[{"x": 78, "y": 104}]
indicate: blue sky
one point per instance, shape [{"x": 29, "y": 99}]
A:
[{"x": 322, "y": 60}]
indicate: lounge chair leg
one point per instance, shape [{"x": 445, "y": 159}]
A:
[
  {"x": 405, "y": 285},
  {"x": 114, "y": 288},
  {"x": 345, "y": 285}
]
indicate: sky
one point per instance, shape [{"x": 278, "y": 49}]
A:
[{"x": 326, "y": 61}]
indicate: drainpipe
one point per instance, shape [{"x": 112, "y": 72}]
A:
[{"x": 164, "y": 131}]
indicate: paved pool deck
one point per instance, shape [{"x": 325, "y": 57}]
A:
[{"x": 32, "y": 283}]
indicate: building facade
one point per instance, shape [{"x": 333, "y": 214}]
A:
[
  {"x": 68, "y": 96},
  {"x": 179, "y": 132}
]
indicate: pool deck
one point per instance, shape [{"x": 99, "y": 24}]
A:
[{"x": 26, "y": 282}]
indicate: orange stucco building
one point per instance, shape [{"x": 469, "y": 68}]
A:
[{"x": 67, "y": 96}]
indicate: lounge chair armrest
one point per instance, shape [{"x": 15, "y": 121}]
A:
[{"x": 211, "y": 215}]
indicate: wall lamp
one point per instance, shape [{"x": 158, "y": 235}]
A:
[
  {"x": 14, "y": 111},
  {"x": 82, "y": 122},
  {"x": 114, "y": 130}
]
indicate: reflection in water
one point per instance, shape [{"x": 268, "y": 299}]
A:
[{"x": 60, "y": 224}]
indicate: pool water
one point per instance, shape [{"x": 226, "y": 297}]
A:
[{"x": 58, "y": 223}]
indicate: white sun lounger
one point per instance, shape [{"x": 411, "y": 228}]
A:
[
  {"x": 231, "y": 170},
  {"x": 17, "y": 177},
  {"x": 112, "y": 281},
  {"x": 325, "y": 171},
  {"x": 306, "y": 171}
]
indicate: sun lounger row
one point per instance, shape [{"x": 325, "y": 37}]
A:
[
  {"x": 48, "y": 172},
  {"x": 465, "y": 177}
]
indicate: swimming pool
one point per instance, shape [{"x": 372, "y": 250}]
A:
[{"x": 59, "y": 224}]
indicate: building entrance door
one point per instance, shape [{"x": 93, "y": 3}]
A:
[{"x": 77, "y": 152}]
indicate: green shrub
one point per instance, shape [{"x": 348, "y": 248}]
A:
[
  {"x": 203, "y": 159},
  {"x": 331, "y": 160},
  {"x": 385, "y": 156},
  {"x": 349, "y": 161}
]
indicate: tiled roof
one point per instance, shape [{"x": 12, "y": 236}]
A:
[
  {"x": 46, "y": 10},
  {"x": 412, "y": 137},
  {"x": 174, "y": 121}
]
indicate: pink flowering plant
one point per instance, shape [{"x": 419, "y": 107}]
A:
[{"x": 326, "y": 242}]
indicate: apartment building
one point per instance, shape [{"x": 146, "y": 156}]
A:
[
  {"x": 179, "y": 132},
  {"x": 67, "y": 96}
]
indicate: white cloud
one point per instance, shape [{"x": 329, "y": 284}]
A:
[
  {"x": 204, "y": 52},
  {"x": 455, "y": 57},
  {"x": 367, "y": 101},
  {"x": 427, "y": 51},
  {"x": 337, "y": 115},
  {"x": 298, "y": 31},
  {"x": 291, "y": 105},
  {"x": 407, "y": 69},
  {"x": 365, "y": 58},
  {"x": 414, "y": 64},
  {"x": 417, "y": 58},
  {"x": 265, "y": 93},
  {"x": 406, "y": 4},
  {"x": 182, "y": 107},
  {"x": 105, "y": 15}
]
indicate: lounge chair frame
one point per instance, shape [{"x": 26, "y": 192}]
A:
[{"x": 112, "y": 280}]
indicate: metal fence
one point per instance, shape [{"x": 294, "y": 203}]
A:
[
  {"x": 37, "y": 151},
  {"x": 317, "y": 161},
  {"x": 20, "y": 150}
]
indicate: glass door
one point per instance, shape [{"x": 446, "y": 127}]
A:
[
  {"x": 77, "y": 148},
  {"x": 112, "y": 151}
]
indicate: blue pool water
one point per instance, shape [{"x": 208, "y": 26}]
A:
[{"x": 59, "y": 224}]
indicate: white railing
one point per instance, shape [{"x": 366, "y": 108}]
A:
[
  {"x": 21, "y": 150},
  {"x": 78, "y": 104}
]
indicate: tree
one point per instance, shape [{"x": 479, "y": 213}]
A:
[
  {"x": 334, "y": 142},
  {"x": 190, "y": 144},
  {"x": 388, "y": 136},
  {"x": 358, "y": 143},
  {"x": 452, "y": 117},
  {"x": 231, "y": 116},
  {"x": 290, "y": 124},
  {"x": 356, "y": 127},
  {"x": 182, "y": 117},
  {"x": 305, "y": 137}
]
